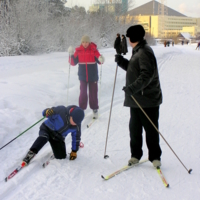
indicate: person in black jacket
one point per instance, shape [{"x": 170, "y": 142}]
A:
[
  {"x": 142, "y": 82},
  {"x": 60, "y": 122},
  {"x": 117, "y": 44},
  {"x": 124, "y": 48}
]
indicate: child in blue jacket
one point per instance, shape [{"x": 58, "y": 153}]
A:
[{"x": 61, "y": 121}]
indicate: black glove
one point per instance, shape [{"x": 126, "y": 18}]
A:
[
  {"x": 49, "y": 112},
  {"x": 118, "y": 58},
  {"x": 128, "y": 90},
  {"x": 73, "y": 155}
]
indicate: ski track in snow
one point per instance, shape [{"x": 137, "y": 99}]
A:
[{"x": 33, "y": 83}]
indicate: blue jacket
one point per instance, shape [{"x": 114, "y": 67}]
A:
[{"x": 59, "y": 123}]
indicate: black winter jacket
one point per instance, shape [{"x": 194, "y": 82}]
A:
[
  {"x": 142, "y": 77},
  {"x": 117, "y": 45},
  {"x": 124, "y": 48}
]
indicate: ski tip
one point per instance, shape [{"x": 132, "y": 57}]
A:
[
  {"x": 102, "y": 177},
  {"x": 167, "y": 185},
  {"x": 6, "y": 179},
  {"x": 190, "y": 171},
  {"x": 87, "y": 126}
]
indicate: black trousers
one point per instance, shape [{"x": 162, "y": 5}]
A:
[
  {"x": 56, "y": 141},
  {"x": 118, "y": 50},
  {"x": 138, "y": 121}
]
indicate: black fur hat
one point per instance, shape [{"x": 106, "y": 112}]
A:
[{"x": 136, "y": 33}]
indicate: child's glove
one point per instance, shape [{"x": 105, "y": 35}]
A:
[
  {"x": 73, "y": 155},
  {"x": 49, "y": 112},
  {"x": 101, "y": 59},
  {"x": 71, "y": 50}
]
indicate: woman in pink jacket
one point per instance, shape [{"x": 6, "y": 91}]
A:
[{"x": 87, "y": 56}]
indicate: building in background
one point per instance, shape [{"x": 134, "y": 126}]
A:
[
  {"x": 117, "y": 7},
  {"x": 157, "y": 19},
  {"x": 107, "y": 7},
  {"x": 174, "y": 22},
  {"x": 124, "y": 6}
]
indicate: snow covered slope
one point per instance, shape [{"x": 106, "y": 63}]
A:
[{"x": 29, "y": 84}]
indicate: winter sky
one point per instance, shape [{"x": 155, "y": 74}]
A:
[{"x": 189, "y": 8}]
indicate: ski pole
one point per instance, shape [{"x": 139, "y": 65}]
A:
[
  {"x": 100, "y": 84},
  {"x": 22, "y": 133},
  {"x": 68, "y": 78},
  {"x": 189, "y": 171},
  {"x": 106, "y": 156}
]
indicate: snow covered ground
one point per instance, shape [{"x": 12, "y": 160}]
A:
[{"x": 29, "y": 84}]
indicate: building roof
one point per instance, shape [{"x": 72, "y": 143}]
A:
[
  {"x": 151, "y": 8},
  {"x": 185, "y": 35}
]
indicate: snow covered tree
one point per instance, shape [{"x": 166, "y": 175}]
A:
[{"x": 38, "y": 26}]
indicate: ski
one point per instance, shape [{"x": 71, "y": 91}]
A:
[
  {"x": 48, "y": 161},
  {"x": 91, "y": 122},
  {"x": 23, "y": 164},
  {"x": 166, "y": 184},
  {"x": 121, "y": 170}
]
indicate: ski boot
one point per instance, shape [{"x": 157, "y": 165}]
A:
[{"x": 29, "y": 156}]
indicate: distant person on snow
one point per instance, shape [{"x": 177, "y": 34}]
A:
[
  {"x": 124, "y": 48},
  {"x": 168, "y": 43},
  {"x": 198, "y": 46},
  {"x": 61, "y": 121},
  {"x": 87, "y": 56},
  {"x": 142, "y": 82},
  {"x": 117, "y": 44},
  {"x": 165, "y": 43}
]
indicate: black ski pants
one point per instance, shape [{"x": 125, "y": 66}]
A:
[
  {"x": 138, "y": 121},
  {"x": 56, "y": 141}
]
